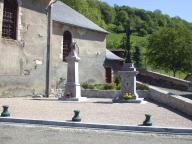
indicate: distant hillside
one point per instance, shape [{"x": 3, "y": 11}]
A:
[{"x": 115, "y": 18}]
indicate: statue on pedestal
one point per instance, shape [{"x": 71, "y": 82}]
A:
[{"x": 72, "y": 87}]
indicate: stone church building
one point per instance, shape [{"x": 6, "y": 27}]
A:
[{"x": 34, "y": 42}]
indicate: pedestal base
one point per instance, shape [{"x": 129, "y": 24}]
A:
[
  {"x": 81, "y": 99},
  {"x": 120, "y": 100}
]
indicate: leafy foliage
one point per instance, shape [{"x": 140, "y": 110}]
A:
[
  {"x": 115, "y": 18},
  {"x": 171, "y": 49},
  {"x": 113, "y": 86},
  {"x": 137, "y": 57},
  {"x": 107, "y": 12},
  {"x": 143, "y": 24},
  {"x": 114, "y": 40},
  {"x": 89, "y": 8}
]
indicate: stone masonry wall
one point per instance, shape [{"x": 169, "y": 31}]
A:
[
  {"x": 91, "y": 50},
  {"x": 161, "y": 80},
  {"x": 22, "y": 61},
  {"x": 109, "y": 93},
  {"x": 179, "y": 103}
]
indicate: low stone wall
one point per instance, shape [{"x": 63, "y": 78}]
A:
[
  {"x": 108, "y": 93},
  {"x": 161, "y": 80},
  {"x": 177, "y": 102},
  {"x": 99, "y": 93}
]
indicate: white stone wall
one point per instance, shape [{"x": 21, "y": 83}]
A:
[
  {"x": 92, "y": 46},
  {"x": 176, "y": 102},
  {"x": 167, "y": 81}
]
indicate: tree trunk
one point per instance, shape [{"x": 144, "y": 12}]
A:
[{"x": 174, "y": 73}]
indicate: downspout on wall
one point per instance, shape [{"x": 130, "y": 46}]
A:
[{"x": 49, "y": 47}]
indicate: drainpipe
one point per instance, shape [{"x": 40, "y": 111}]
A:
[{"x": 48, "y": 57}]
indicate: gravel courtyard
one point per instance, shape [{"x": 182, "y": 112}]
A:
[{"x": 94, "y": 111}]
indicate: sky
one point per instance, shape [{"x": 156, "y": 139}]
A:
[{"x": 181, "y": 8}]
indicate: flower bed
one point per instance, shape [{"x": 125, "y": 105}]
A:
[{"x": 113, "y": 86}]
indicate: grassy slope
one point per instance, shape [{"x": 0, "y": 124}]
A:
[{"x": 114, "y": 40}]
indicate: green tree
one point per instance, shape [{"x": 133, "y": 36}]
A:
[
  {"x": 81, "y": 6},
  {"x": 88, "y": 8},
  {"x": 115, "y": 18},
  {"x": 122, "y": 18},
  {"x": 108, "y": 13},
  {"x": 171, "y": 49},
  {"x": 137, "y": 56},
  {"x": 128, "y": 44}
]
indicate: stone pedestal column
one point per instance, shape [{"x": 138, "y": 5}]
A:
[
  {"x": 128, "y": 84},
  {"x": 72, "y": 87}
]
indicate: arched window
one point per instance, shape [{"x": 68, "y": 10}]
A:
[
  {"x": 67, "y": 39},
  {"x": 10, "y": 12}
]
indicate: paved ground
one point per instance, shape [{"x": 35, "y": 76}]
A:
[
  {"x": 94, "y": 111},
  {"x": 23, "y": 134}
]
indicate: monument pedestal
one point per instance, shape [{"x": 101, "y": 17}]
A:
[
  {"x": 128, "y": 85},
  {"x": 73, "y": 93},
  {"x": 72, "y": 87}
]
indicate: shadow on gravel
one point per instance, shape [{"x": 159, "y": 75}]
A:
[
  {"x": 38, "y": 99},
  {"x": 100, "y": 102}
]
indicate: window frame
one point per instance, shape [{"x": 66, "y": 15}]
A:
[
  {"x": 66, "y": 41},
  {"x": 10, "y": 20}
]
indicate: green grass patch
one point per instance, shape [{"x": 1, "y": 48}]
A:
[
  {"x": 179, "y": 74},
  {"x": 114, "y": 41}
]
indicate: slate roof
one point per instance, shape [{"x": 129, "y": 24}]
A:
[
  {"x": 111, "y": 56},
  {"x": 65, "y": 14}
]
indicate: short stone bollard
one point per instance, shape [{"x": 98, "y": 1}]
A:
[
  {"x": 76, "y": 117},
  {"x": 147, "y": 121},
  {"x": 5, "y": 112}
]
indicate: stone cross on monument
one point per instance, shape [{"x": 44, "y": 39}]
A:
[{"x": 72, "y": 88}]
